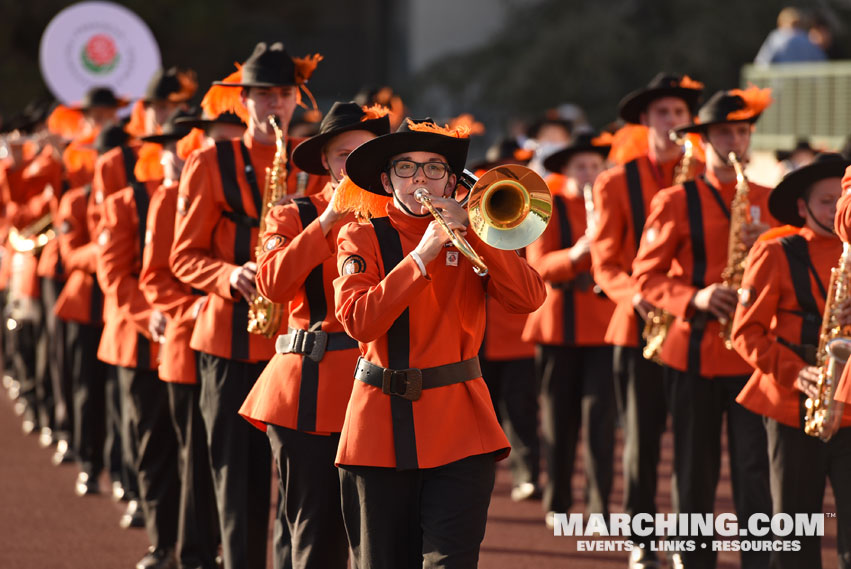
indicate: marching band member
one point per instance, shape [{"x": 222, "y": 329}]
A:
[
  {"x": 776, "y": 329},
  {"x": 678, "y": 268},
  {"x": 420, "y": 439}
]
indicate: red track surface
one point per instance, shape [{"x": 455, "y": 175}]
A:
[{"x": 43, "y": 525}]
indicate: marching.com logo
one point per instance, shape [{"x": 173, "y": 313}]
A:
[{"x": 678, "y": 528}]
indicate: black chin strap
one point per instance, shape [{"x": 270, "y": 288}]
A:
[
  {"x": 402, "y": 206},
  {"x": 816, "y": 221}
]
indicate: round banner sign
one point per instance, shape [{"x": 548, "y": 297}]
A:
[{"x": 97, "y": 44}]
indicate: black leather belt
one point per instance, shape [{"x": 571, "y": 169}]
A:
[
  {"x": 409, "y": 383},
  {"x": 313, "y": 344}
]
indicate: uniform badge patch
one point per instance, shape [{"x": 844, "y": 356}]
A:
[
  {"x": 182, "y": 204},
  {"x": 353, "y": 264},
  {"x": 273, "y": 242},
  {"x": 103, "y": 238},
  {"x": 746, "y": 296},
  {"x": 452, "y": 258},
  {"x": 65, "y": 228}
]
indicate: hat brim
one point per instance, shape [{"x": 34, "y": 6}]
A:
[
  {"x": 308, "y": 154},
  {"x": 257, "y": 84},
  {"x": 698, "y": 128},
  {"x": 556, "y": 161},
  {"x": 119, "y": 104},
  {"x": 631, "y": 106},
  {"x": 366, "y": 163},
  {"x": 162, "y": 138},
  {"x": 204, "y": 124},
  {"x": 783, "y": 199}
]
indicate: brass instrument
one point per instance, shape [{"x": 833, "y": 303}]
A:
[
  {"x": 264, "y": 316},
  {"x": 33, "y": 237},
  {"x": 590, "y": 214},
  {"x": 509, "y": 207},
  {"x": 833, "y": 352},
  {"x": 659, "y": 320},
  {"x": 737, "y": 252}
]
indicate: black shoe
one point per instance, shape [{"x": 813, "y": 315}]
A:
[
  {"x": 133, "y": 517},
  {"x": 86, "y": 485},
  {"x": 45, "y": 437},
  {"x": 158, "y": 559}
]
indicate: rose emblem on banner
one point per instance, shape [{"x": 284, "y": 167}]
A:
[{"x": 100, "y": 54}]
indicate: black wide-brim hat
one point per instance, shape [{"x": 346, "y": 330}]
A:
[
  {"x": 366, "y": 163},
  {"x": 172, "y": 84},
  {"x": 110, "y": 137},
  {"x": 172, "y": 129},
  {"x": 103, "y": 97},
  {"x": 783, "y": 200},
  {"x": 663, "y": 85},
  {"x": 268, "y": 66},
  {"x": 342, "y": 117},
  {"x": 204, "y": 124},
  {"x": 582, "y": 143},
  {"x": 721, "y": 108}
]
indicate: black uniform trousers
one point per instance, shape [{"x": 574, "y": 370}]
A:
[
  {"x": 309, "y": 497},
  {"x": 640, "y": 396},
  {"x": 23, "y": 343},
  {"x": 698, "y": 406},
  {"x": 151, "y": 445},
  {"x": 513, "y": 386},
  {"x": 577, "y": 393},
  {"x": 426, "y": 518},
  {"x": 88, "y": 382},
  {"x": 240, "y": 460},
  {"x": 198, "y": 522},
  {"x": 121, "y": 469},
  {"x": 800, "y": 467},
  {"x": 52, "y": 345}
]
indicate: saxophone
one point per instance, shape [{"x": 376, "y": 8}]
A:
[
  {"x": 659, "y": 320},
  {"x": 833, "y": 351},
  {"x": 737, "y": 252},
  {"x": 264, "y": 316}
]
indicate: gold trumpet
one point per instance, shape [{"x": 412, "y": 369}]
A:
[{"x": 509, "y": 207}]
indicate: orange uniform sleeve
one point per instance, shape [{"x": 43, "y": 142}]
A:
[
  {"x": 752, "y": 335},
  {"x": 660, "y": 243},
  {"x": 78, "y": 251},
  {"x": 510, "y": 280},
  {"x": 610, "y": 271},
  {"x": 842, "y": 221},
  {"x": 161, "y": 289},
  {"x": 192, "y": 259},
  {"x": 283, "y": 270},
  {"x": 367, "y": 304},
  {"x": 554, "y": 265},
  {"x": 118, "y": 261}
]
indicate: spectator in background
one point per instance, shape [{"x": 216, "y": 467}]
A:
[
  {"x": 546, "y": 136},
  {"x": 822, "y": 34},
  {"x": 789, "y": 43},
  {"x": 801, "y": 155}
]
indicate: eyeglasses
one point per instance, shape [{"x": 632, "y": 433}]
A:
[{"x": 408, "y": 168}]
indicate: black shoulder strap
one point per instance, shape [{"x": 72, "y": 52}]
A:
[
  {"x": 568, "y": 292},
  {"x": 241, "y": 242},
  {"x": 798, "y": 256},
  {"x": 314, "y": 288},
  {"x": 129, "y": 163},
  {"x": 717, "y": 196},
  {"x": 698, "y": 278},
  {"x": 398, "y": 352},
  {"x": 636, "y": 199},
  {"x": 140, "y": 196},
  {"x": 251, "y": 177}
]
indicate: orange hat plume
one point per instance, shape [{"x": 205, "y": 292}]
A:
[
  {"x": 777, "y": 232},
  {"x": 66, "y": 122},
  {"x": 305, "y": 66},
  {"x": 148, "y": 167},
  {"x": 628, "y": 143},
  {"x": 467, "y": 120},
  {"x": 136, "y": 126},
  {"x": 605, "y": 139},
  {"x": 688, "y": 83},
  {"x": 459, "y": 131},
  {"x": 376, "y": 111},
  {"x": 190, "y": 143},
  {"x": 220, "y": 99},
  {"x": 756, "y": 100},
  {"x": 349, "y": 197}
]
